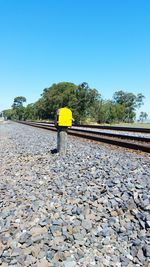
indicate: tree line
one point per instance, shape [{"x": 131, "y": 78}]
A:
[{"x": 86, "y": 104}]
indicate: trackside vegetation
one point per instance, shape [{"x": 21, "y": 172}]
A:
[{"x": 86, "y": 104}]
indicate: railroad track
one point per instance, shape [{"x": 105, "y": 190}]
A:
[
  {"x": 118, "y": 128},
  {"x": 129, "y": 141}
]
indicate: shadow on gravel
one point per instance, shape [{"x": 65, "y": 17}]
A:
[{"x": 54, "y": 151}]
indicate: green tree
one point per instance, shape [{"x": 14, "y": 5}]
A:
[
  {"x": 79, "y": 99},
  {"x": 130, "y": 102},
  {"x": 18, "y": 107},
  {"x": 143, "y": 116},
  {"x": 86, "y": 101},
  {"x": 30, "y": 112},
  {"x": 18, "y": 101},
  {"x": 107, "y": 111},
  {"x": 57, "y": 96},
  {"x": 9, "y": 114}
]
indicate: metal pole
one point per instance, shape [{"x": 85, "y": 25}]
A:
[{"x": 62, "y": 140}]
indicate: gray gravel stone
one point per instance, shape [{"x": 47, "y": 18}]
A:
[
  {"x": 87, "y": 224},
  {"x": 69, "y": 263},
  {"x": 89, "y": 208}
]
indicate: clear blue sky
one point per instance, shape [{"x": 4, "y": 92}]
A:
[{"x": 103, "y": 42}]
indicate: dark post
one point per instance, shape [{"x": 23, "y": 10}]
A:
[{"x": 62, "y": 140}]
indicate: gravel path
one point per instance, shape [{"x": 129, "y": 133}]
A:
[{"x": 91, "y": 208}]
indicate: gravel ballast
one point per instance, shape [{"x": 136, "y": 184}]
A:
[{"x": 89, "y": 208}]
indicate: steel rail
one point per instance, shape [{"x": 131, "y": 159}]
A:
[
  {"x": 117, "y": 128},
  {"x": 113, "y": 141},
  {"x": 123, "y": 136},
  {"x": 91, "y": 135}
]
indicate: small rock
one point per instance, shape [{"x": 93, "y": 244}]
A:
[
  {"x": 38, "y": 230},
  {"x": 69, "y": 263},
  {"x": 43, "y": 263},
  {"x": 87, "y": 224}
]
